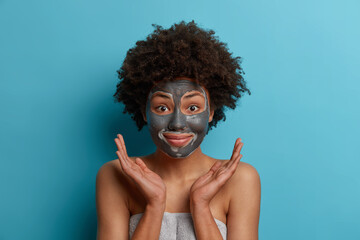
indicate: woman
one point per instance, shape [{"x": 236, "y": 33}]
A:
[{"x": 178, "y": 81}]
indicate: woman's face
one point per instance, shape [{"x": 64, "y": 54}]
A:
[{"x": 178, "y": 113}]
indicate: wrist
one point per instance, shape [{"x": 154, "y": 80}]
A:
[
  {"x": 196, "y": 201},
  {"x": 198, "y": 206},
  {"x": 158, "y": 207},
  {"x": 157, "y": 202}
]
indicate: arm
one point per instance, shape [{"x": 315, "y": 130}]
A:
[
  {"x": 112, "y": 208},
  {"x": 111, "y": 205},
  {"x": 205, "y": 188},
  {"x": 204, "y": 223},
  {"x": 244, "y": 207},
  {"x": 151, "y": 187},
  {"x": 149, "y": 225}
]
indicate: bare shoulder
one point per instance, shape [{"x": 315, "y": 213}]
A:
[
  {"x": 116, "y": 184},
  {"x": 111, "y": 171},
  {"x": 244, "y": 202},
  {"x": 111, "y": 177},
  {"x": 246, "y": 173},
  {"x": 246, "y": 180},
  {"x": 108, "y": 167},
  {"x": 111, "y": 202}
]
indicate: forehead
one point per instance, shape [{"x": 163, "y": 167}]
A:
[{"x": 177, "y": 87}]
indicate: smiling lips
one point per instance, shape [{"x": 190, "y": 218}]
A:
[{"x": 178, "y": 140}]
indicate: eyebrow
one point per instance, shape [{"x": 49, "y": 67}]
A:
[
  {"x": 158, "y": 94},
  {"x": 194, "y": 94}
]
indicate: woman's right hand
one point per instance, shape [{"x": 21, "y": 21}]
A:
[{"x": 149, "y": 183}]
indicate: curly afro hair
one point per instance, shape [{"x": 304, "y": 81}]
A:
[{"x": 183, "y": 50}]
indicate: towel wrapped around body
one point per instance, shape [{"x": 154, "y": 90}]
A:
[{"x": 175, "y": 226}]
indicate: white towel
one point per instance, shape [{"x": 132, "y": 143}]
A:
[{"x": 175, "y": 226}]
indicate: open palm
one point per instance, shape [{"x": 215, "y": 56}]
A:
[
  {"x": 206, "y": 187},
  {"x": 149, "y": 183}
]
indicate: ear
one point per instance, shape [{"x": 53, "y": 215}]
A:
[{"x": 211, "y": 115}]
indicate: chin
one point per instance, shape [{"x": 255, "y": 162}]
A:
[{"x": 178, "y": 155}]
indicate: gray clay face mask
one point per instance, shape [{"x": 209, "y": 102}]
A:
[{"x": 177, "y": 113}]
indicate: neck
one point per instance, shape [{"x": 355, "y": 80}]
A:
[{"x": 181, "y": 169}]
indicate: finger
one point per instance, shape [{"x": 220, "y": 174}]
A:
[
  {"x": 215, "y": 167},
  {"x": 118, "y": 143},
  {"x": 141, "y": 163},
  {"x": 124, "y": 158},
  {"x": 208, "y": 175},
  {"x": 235, "y": 164},
  {"x": 223, "y": 176},
  {"x": 122, "y": 143},
  {"x": 211, "y": 172},
  {"x": 122, "y": 149},
  {"x": 236, "y": 152},
  {"x": 236, "y": 155},
  {"x": 120, "y": 161},
  {"x": 235, "y": 146},
  {"x": 132, "y": 172},
  {"x": 238, "y": 149},
  {"x": 232, "y": 163},
  {"x": 123, "y": 163}
]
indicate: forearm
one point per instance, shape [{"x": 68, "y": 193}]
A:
[
  {"x": 149, "y": 225},
  {"x": 204, "y": 223}
]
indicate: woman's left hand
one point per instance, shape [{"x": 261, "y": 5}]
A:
[{"x": 206, "y": 187}]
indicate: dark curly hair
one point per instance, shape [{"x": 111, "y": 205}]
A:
[{"x": 183, "y": 50}]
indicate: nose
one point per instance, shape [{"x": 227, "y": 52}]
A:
[{"x": 178, "y": 121}]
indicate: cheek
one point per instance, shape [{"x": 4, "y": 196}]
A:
[
  {"x": 199, "y": 122},
  {"x": 157, "y": 123}
]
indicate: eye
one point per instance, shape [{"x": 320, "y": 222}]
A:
[
  {"x": 162, "y": 108},
  {"x": 193, "y": 108}
]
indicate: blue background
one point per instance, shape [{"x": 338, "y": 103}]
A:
[{"x": 300, "y": 126}]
